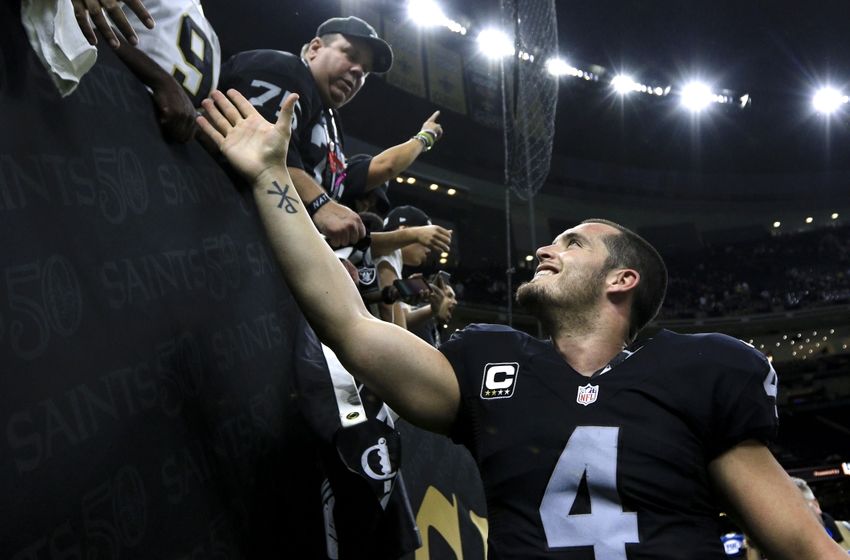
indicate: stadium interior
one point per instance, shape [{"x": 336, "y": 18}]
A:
[{"x": 746, "y": 198}]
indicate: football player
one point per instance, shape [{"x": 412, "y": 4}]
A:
[{"x": 588, "y": 448}]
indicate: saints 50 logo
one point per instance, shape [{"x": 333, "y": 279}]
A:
[{"x": 499, "y": 380}]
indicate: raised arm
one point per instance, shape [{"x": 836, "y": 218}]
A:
[
  {"x": 415, "y": 379},
  {"x": 434, "y": 237},
  {"x": 770, "y": 505},
  {"x": 174, "y": 109},
  {"x": 391, "y": 162}
]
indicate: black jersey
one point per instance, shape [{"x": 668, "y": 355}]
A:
[
  {"x": 611, "y": 467},
  {"x": 266, "y": 78}
]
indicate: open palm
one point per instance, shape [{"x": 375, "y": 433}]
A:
[{"x": 250, "y": 143}]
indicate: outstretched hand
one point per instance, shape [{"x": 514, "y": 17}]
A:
[
  {"x": 433, "y": 126},
  {"x": 250, "y": 143},
  {"x": 434, "y": 237},
  {"x": 88, "y": 11}
]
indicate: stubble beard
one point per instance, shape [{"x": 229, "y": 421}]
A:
[{"x": 563, "y": 304}]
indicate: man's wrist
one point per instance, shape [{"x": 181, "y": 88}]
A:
[
  {"x": 317, "y": 203},
  {"x": 269, "y": 175},
  {"x": 427, "y": 138}
]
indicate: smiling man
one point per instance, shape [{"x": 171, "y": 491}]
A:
[
  {"x": 588, "y": 447},
  {"x": 330, "y": 70}
]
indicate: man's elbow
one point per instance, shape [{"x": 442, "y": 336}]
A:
[{"x": 382, "y": 171}]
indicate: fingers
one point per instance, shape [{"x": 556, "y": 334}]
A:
[
  {"x": 209, "y": 133},
  {"x": 243, "y": 106},
  {"x": 82, "y": 16},
  {"x": 288, "y": 107},
  {"x": 139, "y": 9},
  {"x": 433, "y": 118},
  {"x": 214, "y": 116},
  {"x": 99, "y": 19},
  {"x": 116, "y": 14},
  {"x": 226, "y": 107}
]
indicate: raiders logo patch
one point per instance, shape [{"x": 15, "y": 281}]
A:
[
  {"x": 499, "y": 380},
  {"x": 367, "y": 275}
]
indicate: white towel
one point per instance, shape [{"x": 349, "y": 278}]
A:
[{"x": 58, "y": 41}]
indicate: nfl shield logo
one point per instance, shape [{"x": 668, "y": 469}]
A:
[{"x": 587, "y": 394}]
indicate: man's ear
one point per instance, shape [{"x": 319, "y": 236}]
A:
[
  {"x": 623, "y": 280},
  {"x": 313, "y": 47}
]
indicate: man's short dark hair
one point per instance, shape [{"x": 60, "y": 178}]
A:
[{"x": 630, "y": 250}]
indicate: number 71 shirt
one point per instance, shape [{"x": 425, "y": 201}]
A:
[{"x": 613, "y": 466}]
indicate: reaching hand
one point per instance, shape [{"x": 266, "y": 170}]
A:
[
  {"x": 433, "y": 126},
  {"x": 341, "y": 225},
  {"x": 443, "y": 302},
  {"x": 175, "y": 110},
  {"x": 85, "y": 9},
  {"x": 249, "y": 142},
  {"x": 434, "y": 237}
]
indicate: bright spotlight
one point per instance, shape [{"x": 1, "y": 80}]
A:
[
  {"x": 495, "y": 44},
  {"x": 834, "y": 215},
  {"x": 451, "y": 192},
  {"x": 529, "y": 258},
  {"x": 827, "y": 100},
  {"x": 696, "y": 96},
  {"x": 777, "y": 223},
  {"x": 426, "y": 13},
  {"x": 557, "y": 67},
  {"x": 623, "y": 84},
  {"x": 809, "y": 219}
]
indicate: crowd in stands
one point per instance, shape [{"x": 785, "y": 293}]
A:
[{"x": 778, "y": 273}]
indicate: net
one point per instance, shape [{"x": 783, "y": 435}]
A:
[{"x": 531, "y": 94}]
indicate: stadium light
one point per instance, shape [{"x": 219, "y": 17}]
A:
[
  {"x": 451, "y": 192},
  {"x": 427, "y": 13},
  {"x": 696, "y": 96},
  {"x": 623, "y": 84},
  {"x": 827, "y": 100},
  {"x": 834, "y": 215},
  {"x": 495, "y": 44},
  {"x": 777, "y": 223},
  {"x": 559, "y": 67},
  {"x": 809, "y": 219}
]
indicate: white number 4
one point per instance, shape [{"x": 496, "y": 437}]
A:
[{"x": 590, "y": 453}]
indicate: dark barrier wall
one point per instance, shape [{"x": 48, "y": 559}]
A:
[{"x": 147, "y": 343}]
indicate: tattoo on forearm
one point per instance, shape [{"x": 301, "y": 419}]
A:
[{"x": 286, "y": 202}]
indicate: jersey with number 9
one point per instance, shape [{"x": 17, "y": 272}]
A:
[{"x": 183, "y": 43}]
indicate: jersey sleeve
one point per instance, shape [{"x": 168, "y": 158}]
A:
[
  {"x": 744, "y": 397},
  {"x": 468, "y": 351},
  {"x": 266, "y": 78},
  {"x": 455, "y": 350}
]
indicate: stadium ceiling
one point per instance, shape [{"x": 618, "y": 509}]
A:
[
  {"x": 788, "y": 61},
  {"x": 777, "y": 51}
]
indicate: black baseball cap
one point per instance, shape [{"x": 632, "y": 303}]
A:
[
  {"x": 409, "y": 216},
  {"x": 356, "y": 176},
  {"x": 353, "y": 26}
]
